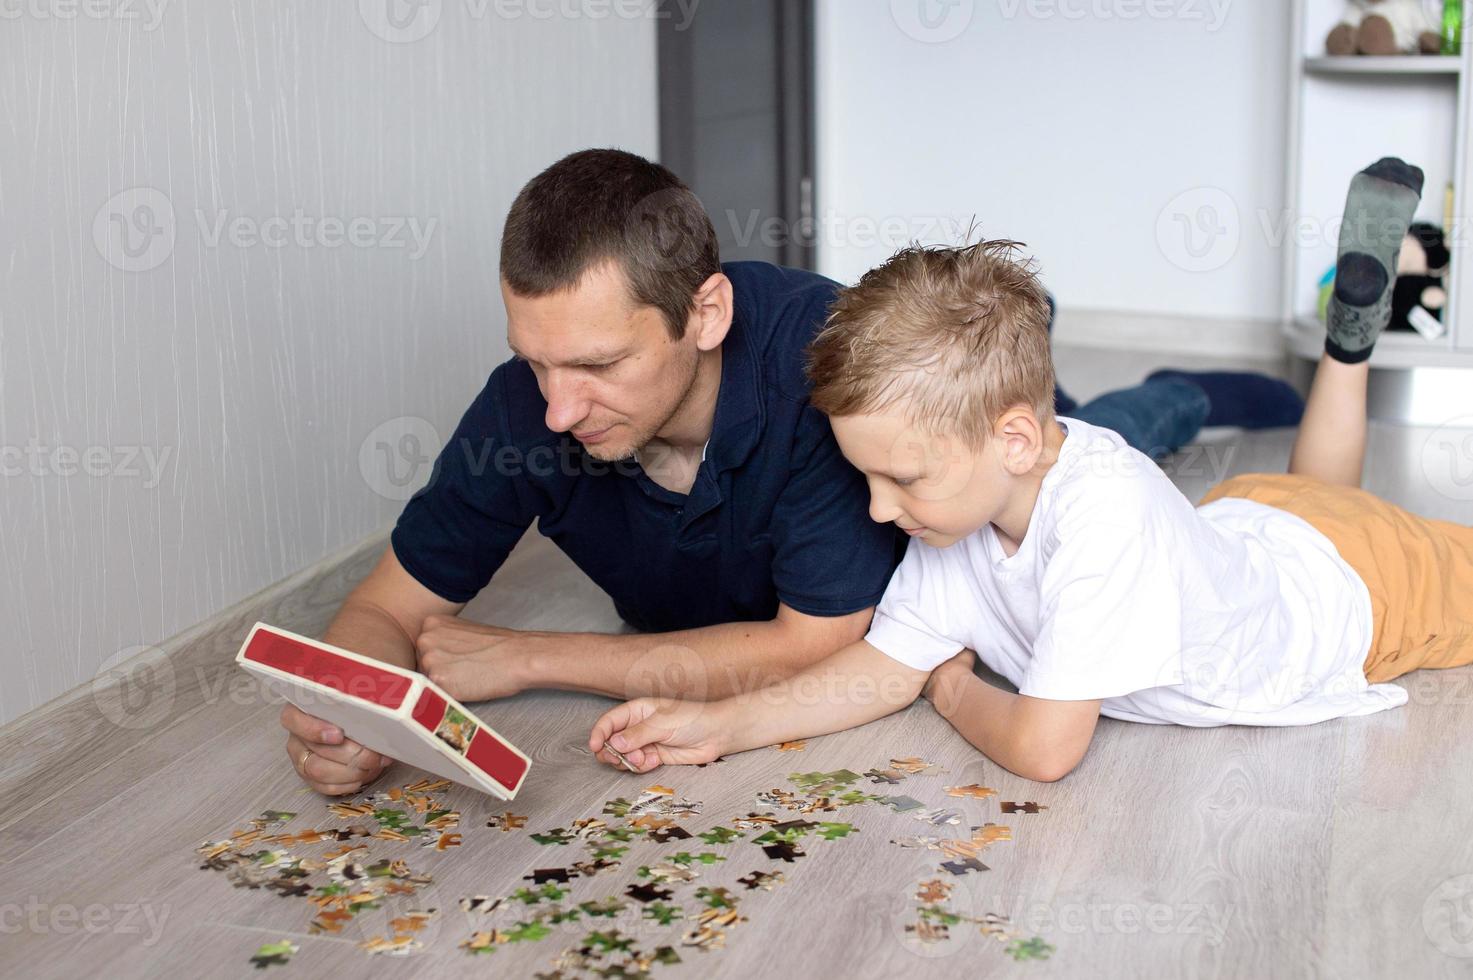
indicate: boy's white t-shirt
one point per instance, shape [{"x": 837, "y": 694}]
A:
[{"x": 1232, "y": 613}]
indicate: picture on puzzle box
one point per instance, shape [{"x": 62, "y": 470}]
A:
[{"x": 455, "y": 730}]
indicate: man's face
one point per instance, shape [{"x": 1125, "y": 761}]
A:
[
  {"x": 934, "y": 487},
  {"x": 609, "y": 369}
]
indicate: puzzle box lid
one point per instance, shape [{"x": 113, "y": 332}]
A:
[{"x": 398, "y": 712}]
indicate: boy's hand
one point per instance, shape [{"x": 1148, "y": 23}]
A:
[
  {"x": 944, "y": 687},
  {"x": 651, "y": 732}
]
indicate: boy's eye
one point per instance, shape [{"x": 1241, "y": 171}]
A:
[{"x": 906, "y": 482}]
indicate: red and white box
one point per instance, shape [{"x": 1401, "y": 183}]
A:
[{"x": 398, "y": 712}]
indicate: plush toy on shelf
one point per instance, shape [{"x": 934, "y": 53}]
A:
[
  {"x": 1419, "y": 295},
  {"x": 1384, "y": 27}
]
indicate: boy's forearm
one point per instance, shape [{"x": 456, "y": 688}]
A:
[
  {"x": 852, "y": 687},
  {"x": 998, "y": 724},
  {"x": 981, "y": 713}
]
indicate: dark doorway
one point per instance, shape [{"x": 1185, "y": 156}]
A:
[{"x": 736, "y": 121}]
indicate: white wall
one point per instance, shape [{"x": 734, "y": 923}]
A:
[
  {"x": 1071, "y": 125},
  {"x": 251, "y": 375}
]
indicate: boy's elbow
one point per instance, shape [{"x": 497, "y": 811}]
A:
[
  {"x": 1052, "y": 737},
  {"x": 1050, "y": 771},
  {"x": 1049, "y": 767}
]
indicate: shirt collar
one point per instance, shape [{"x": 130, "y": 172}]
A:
[
  {"x": 737, "y": 423},
  {"x": 739, "y": 406}
]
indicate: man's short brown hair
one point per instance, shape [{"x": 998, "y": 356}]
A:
[
  {"x": 959, "y": 334},
  {"x": 598, "y": 206}
]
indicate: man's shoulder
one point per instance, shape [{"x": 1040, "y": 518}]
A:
[{"x": 780, "y": 310}]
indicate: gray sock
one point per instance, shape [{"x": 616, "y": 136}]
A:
[{"x": 1378, "y": 211}]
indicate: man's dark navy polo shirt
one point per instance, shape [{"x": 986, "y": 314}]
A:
[{"x": 775, "y": 514}]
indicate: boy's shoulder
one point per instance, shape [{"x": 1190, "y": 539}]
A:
[
  {"x": 1098, "y": 470},
  {"x": 1098, "y": 478}
]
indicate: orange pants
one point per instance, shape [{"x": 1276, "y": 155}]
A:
[{"x": 1419, "y": 572}]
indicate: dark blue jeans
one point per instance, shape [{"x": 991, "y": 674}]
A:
[{"x": 1157, "y": 417}]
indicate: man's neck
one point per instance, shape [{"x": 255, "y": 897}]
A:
[
  {"x": 673, "y": 457},
  {"x": 689, "y": 428}
]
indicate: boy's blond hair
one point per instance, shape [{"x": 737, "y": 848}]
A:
[{"x": 960, "y": 334}]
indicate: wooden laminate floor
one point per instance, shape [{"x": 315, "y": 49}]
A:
[{"x": 1340, "y": 850}]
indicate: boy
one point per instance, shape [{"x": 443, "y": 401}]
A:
[{"x": 1070, "y": 562}]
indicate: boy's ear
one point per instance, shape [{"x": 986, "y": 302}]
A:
[
  {"x": 710, "y": 318},
  {"x": 1019, "y": 438}
]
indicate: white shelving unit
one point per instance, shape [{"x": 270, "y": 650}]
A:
[{"x": 1345, "y": 113}]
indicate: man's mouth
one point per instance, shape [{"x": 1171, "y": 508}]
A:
[{"x": 592, "y": 436}]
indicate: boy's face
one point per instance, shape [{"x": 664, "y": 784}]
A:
[{"x": 932, "y": 486}]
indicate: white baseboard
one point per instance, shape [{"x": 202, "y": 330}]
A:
[
  {"x": 1171, "y": 334},
  {"x": 304, "y": 602}
]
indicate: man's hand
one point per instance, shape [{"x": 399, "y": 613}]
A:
[
  {"x": 652, "y": 732},
  {"x": 473, "y": 661},
  {"x": 326, "y": 761}
]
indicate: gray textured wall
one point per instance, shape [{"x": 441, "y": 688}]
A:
[{"x": 238, "y": 241}]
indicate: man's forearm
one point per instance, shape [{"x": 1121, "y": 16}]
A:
[
  {"x": 703, "y": 664},
  {"x": 365, "y": 628}
]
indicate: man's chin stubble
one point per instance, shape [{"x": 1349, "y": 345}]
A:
[{"x": 604, "y": 455}]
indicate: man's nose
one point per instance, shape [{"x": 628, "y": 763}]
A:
[{"x": 565, "y": 406}]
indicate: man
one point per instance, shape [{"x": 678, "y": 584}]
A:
[{"x": 655, "y": 424}]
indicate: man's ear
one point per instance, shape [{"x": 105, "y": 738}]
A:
[
  {"x": 710, "y": 320},
  {"x": 1019, "y": 438}
]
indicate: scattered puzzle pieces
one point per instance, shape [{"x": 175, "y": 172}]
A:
[
  {"x": 342, "y": 872},
  {"x": 974, "y": 791},
  {"x": 913, "y": 765},
  {"x": 480, "y": 904},
  {"x": 541, "y": 876},
  {"x": 278, "y": 953},
  {"x": 666, "y": 834},
  {"x": 933, "y": 891},
  {"x": 766, "y": 880},
  {"x": 890, "y": 777},
  {"x": 1030, "y": 949},
  {"x": 783, "y": 851},
  {"x": 647, "y": 893},
  {"x": 964, "y": 866}
]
